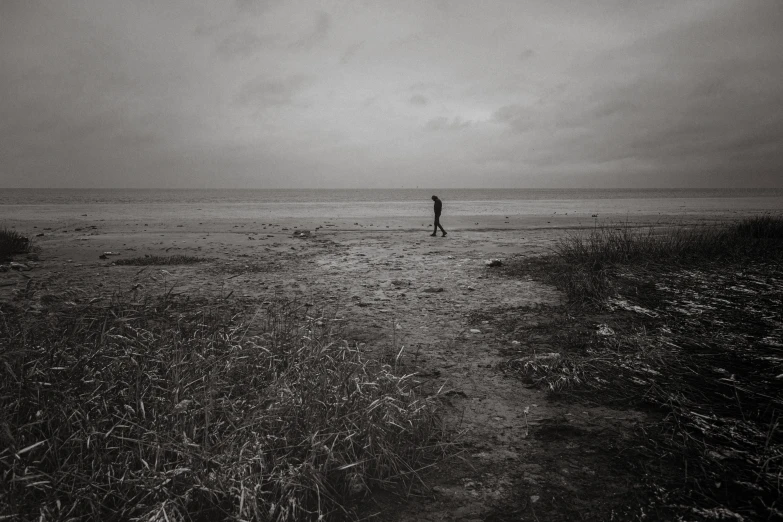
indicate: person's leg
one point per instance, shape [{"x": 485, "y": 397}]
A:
[
  {"x": 435, "y": 226},
  {"x": 438, "y": 225}
]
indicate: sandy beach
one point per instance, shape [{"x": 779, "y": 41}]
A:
[
  {"x": 388, "y": 280},
  {"x": 349, "y": 255},
  {"x": 255, "y": 242}
]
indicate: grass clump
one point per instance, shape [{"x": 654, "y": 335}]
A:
[
  {"x": 149, "y": 260},
  {"x": 167, "y": 408},
  {"x": 12, "y": 242},
  {"x": 583, "y": 265},
  {"x": 608, "y": 245}
]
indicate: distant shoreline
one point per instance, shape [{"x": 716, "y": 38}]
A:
[{"x": 353, "y": 196}]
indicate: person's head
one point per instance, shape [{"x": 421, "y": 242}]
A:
[{"x": 434, "y": 198}]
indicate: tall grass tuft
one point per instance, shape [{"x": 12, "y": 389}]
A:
[
  {"x": 582, "y": 264},
  {"x": 12, "y": 242},
  {"x": 166, "y": 408}
]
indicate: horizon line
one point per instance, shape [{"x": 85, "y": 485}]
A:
[{"x": 396, "y": 188}]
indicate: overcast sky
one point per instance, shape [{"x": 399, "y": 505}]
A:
[{"x": 268, "y": 94}]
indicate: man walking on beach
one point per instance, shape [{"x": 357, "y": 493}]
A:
[{"x": 438, "y": 207}]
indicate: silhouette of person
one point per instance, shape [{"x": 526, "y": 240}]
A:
[{"x": 438, "y": 207}]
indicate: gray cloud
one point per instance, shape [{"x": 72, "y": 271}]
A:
[
  {"x": 350, "y": 52},
  {"x": 443, "y": 123},
  {"x": 517, "y": 117},
  {"x": 264, "y": 92},
  {"x": 668, "y": 93},
  {"x": 318, "y": 33},
  {"x": 244, "y": 43},
  {"x": 694, "y": 108},
  {"x": 255, "y": 7},
  {"x": 526, "y": 54}
]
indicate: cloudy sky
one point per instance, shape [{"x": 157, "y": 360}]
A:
[{"x": 267, "y": 94}]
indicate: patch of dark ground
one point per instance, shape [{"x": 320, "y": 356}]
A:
[
  {"x": 699, "y": 351},
  {"x": 578, "y": 470},
  {"x": 582, "y": 465},
  {"x": 276, "y": 258}
]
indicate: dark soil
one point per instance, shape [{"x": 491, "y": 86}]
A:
[{"x": 699, "y": 351}]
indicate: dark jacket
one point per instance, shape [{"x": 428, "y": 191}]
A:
[{"x": 438, "y": 206}]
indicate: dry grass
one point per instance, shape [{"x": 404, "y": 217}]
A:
[
  {"x": 605, "y": 246},
  {"x": 698, "y": 334},
  {"x": 709, "y": 362},
  {"x": 159, "y": 409},
  {"x": 583, "y": 264},
  {"x": 12, "y": 242},
  {"x": 149, "y": 260}
]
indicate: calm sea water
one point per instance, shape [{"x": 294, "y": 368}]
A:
[
  {"x": 225, "y": 196},
  {"x": 21, "y": 205}
]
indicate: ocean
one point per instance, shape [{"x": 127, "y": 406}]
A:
[
  {"x": 240, "y": 196},
  {"x": 169, "y": 205}
]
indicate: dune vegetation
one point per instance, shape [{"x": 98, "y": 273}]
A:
[
  {"x": 172, "y": 408},
  {"x": 12, "y": 242},
  {"x": 685, "y": 323}
]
